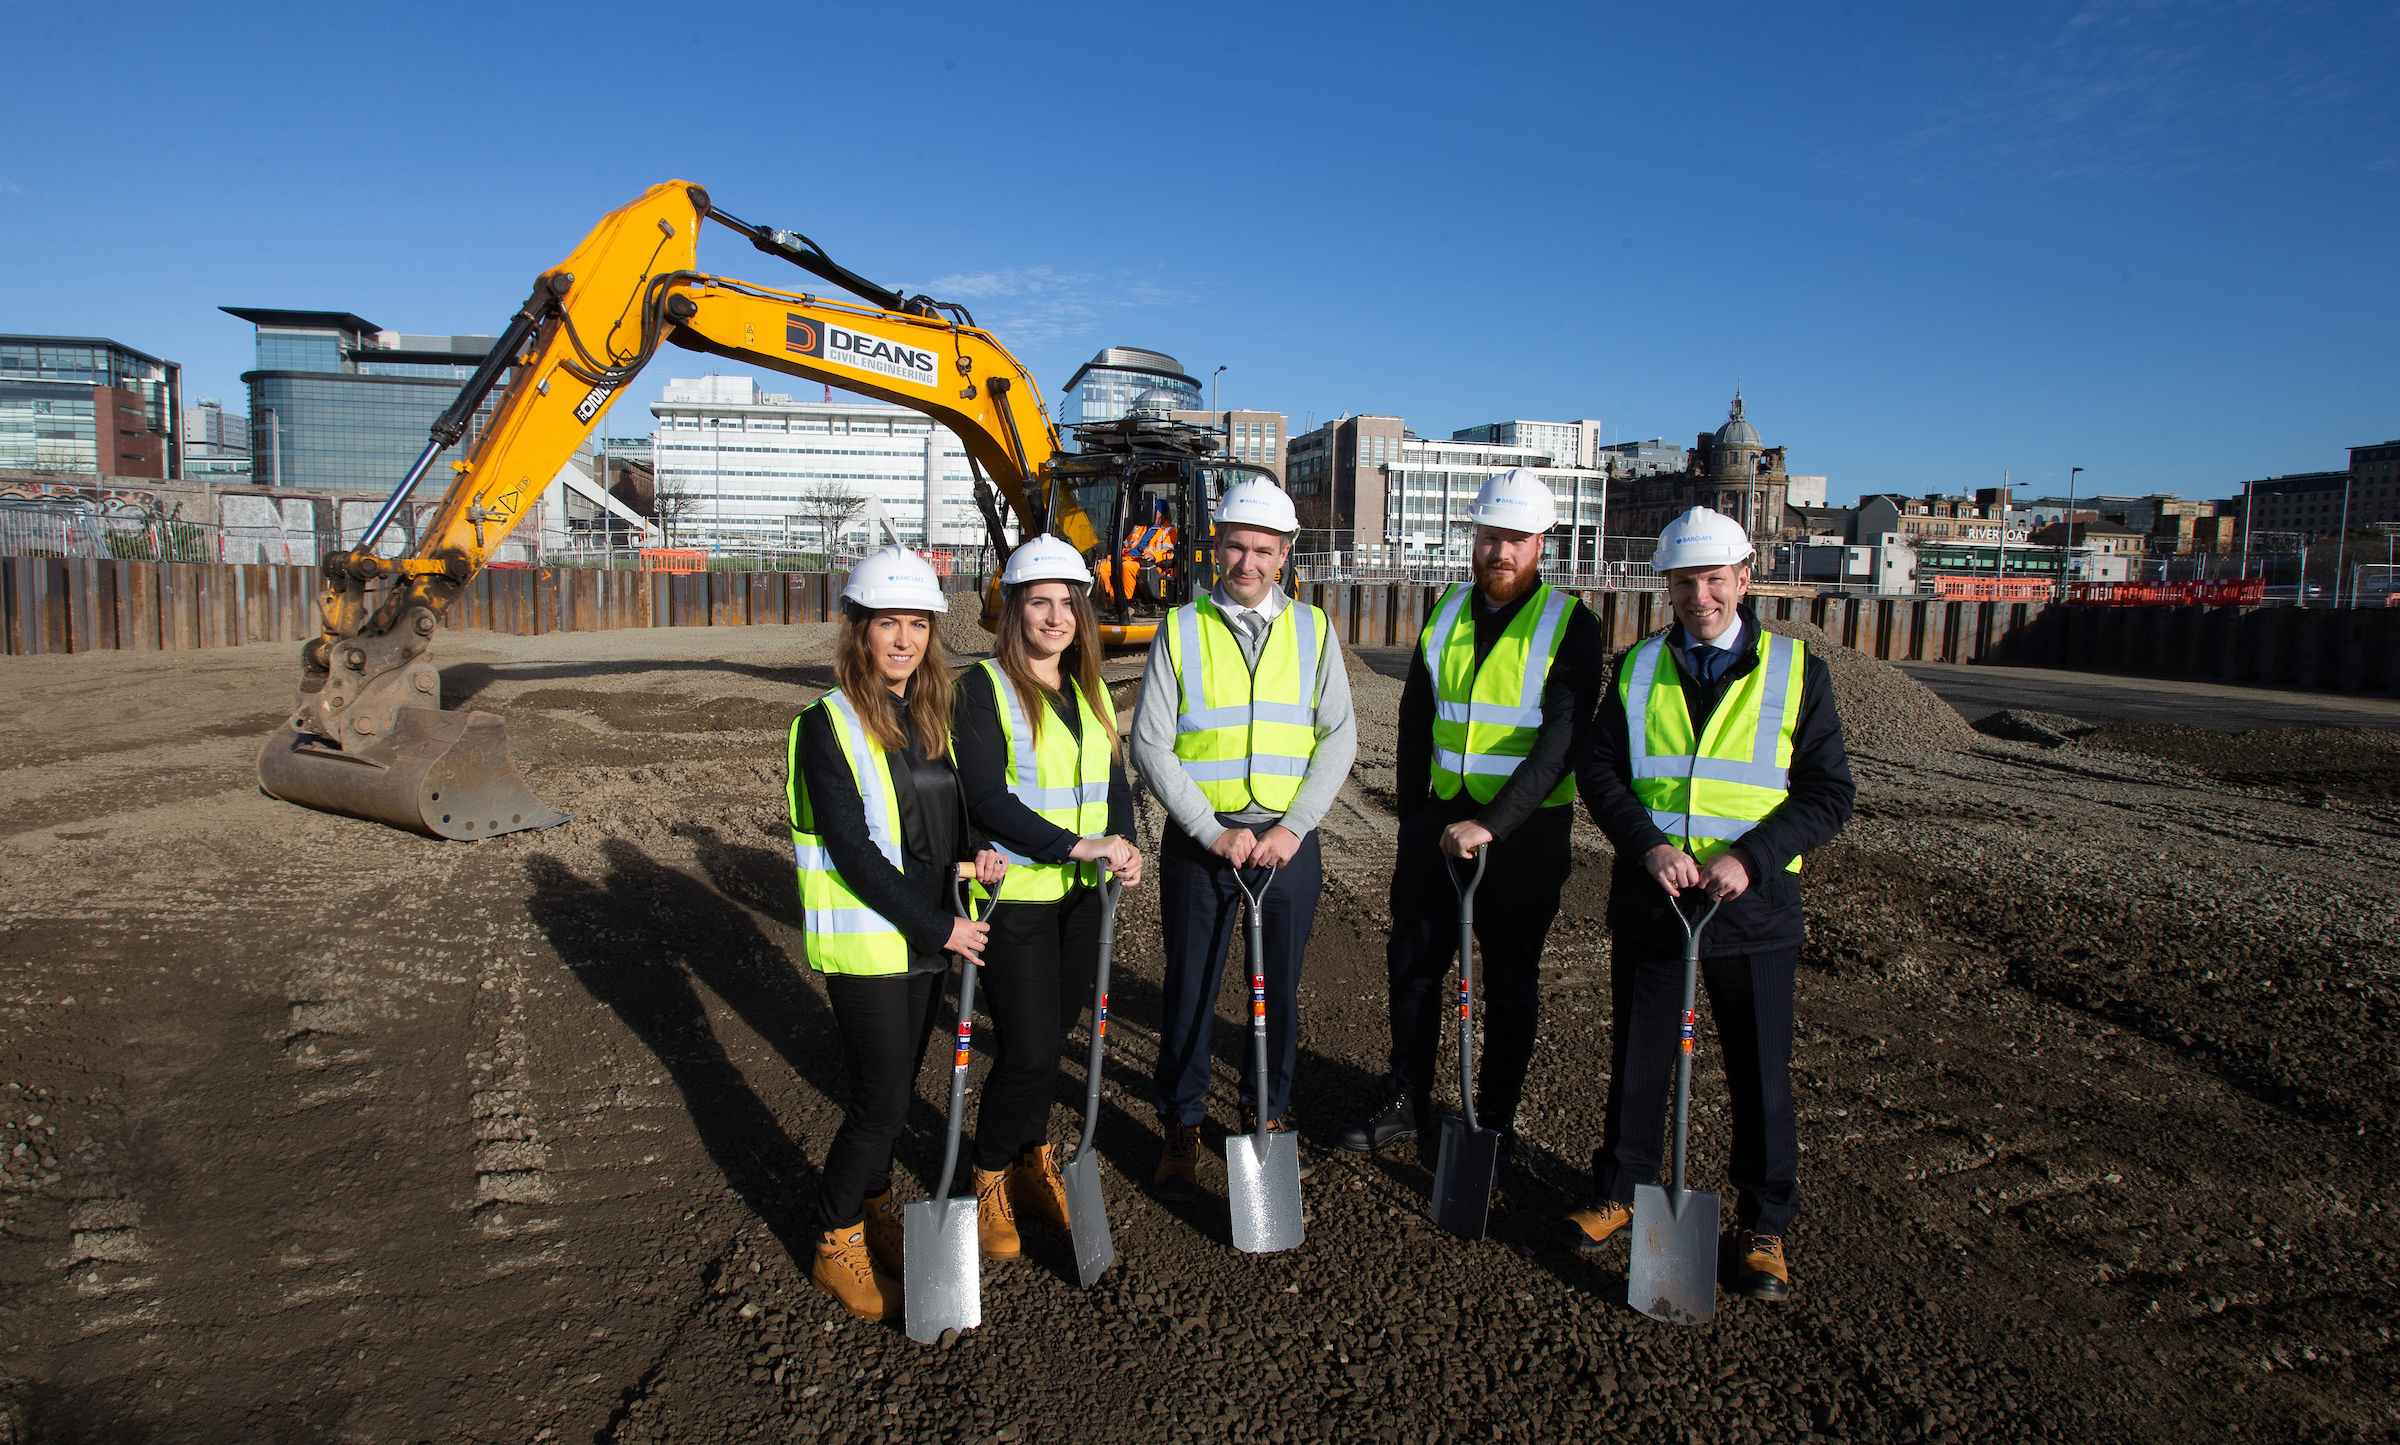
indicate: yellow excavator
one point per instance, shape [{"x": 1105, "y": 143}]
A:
[{"x": 366, "y": 735}]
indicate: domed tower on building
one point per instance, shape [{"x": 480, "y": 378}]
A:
[{"x": 1733, "y": 452}]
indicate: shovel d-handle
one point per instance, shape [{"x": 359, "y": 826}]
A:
[
  {"x": 1110, "y": 891},
  {"x": 1257, "y": 939},
  {"x": 1466, "y": 978},
  {"x": 964, "y": 900},
  {"x": 1691, "y": 1014}
]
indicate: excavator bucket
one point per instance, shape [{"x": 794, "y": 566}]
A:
[{"x": 443, "y": 773}]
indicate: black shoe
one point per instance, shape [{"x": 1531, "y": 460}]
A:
[
  {"x": 1395, "y": 1122},
  {"x": 1308, "y": 1165}
]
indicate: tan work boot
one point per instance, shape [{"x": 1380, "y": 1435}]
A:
[
  {"x": 884, "y": 1235},
  {"x": 1593, "y": 1225},
  {"x": 1177, "y": 1177},
  {"x": 846, "y": 1272},
  {"x": 1039, "y": 1191},
  {"x": 995, "y": 1218},
  {"x": 1764, "y": 1274}
]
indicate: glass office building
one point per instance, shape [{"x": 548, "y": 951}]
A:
[
  {"x": 1104, "y": 388},
  {"x": 340, "y": 404},
  {"x": 87, "y": 405}
]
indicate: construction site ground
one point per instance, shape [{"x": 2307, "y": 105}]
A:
[{"x": 313, "y": 1130}]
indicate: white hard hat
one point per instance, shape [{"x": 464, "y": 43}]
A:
[
  {"x": 896, "y": 579},
  {"x": 1256, "y": 502},
  {"x": 1701, "y": 538},
  {"x": 1045, "y": 559},
  {"x": 1515, "y": 500}
]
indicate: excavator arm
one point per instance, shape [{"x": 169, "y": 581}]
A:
[{"x": 366, "y": 735}]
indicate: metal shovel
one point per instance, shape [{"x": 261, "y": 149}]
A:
[
  {"x": 1673, "y": 1275},
  {"x": 1462, "y": 1180},
  {"x": 941, "y": 1268},
  {"x": 1087, "y": 1210},
  {"x": 1262, "y": 1170}
]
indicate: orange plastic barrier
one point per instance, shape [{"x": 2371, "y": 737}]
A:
[
  {"x": 676, "y": 560},
  {"x": 2244, "y": 592},
  {"x": 1990, "y": 589}
]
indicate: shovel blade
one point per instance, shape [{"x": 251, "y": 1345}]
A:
[
  {"x": 443, "y": 773},
  {"x": 942, "y": 1270},
  {"x": 1087, "y": 1217},
  {"x": 1462, "y": 1179},
  {"x": 1673, "y": 1275},
  {"x": 1262, "y": 1183}
]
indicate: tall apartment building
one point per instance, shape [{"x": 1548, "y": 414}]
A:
[
  {"x": 1421, "y": 516},
  {"x": 1323, "y": 470},
  {"x": 85, "y": 405},
  {"x": 1256, "y": 437},
  {"x": 1566, "y": 443},
  {"x": 338, "y": 403},
  {"x": 216, "y": 443},
  {"x": 747, "y": 462}
]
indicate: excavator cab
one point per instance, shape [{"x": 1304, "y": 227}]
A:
[{"x": 1149, "y": 486}]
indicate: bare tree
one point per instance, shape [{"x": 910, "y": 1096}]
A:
[
  {"x": 671, "y": 500},
  {"x": 832, "y": 507}
]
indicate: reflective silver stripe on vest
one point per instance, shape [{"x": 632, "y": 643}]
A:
[
  {"x": 1194, "y": 718},
  {"x": 1033, "y": 796},
  {"x": 870, "y": 785},
  {"x": 812, "y": 858},
  {"x": 1770, "y": 709},
  {"x": 1492, "y": 765},
  {"x": 1215, "y": 770},
  {"x": 1537, "y": 659},
  {"x": 848, "y": 920},
  {"x": 1637, "y": 706},
  {"x": 1437, "y": 632},
  {"x": 1681, "y": 825},
  {"x": 1715, "y": 770},
  {"x": 1277, "y": 765}
]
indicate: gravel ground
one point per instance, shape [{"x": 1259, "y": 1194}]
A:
[{"x": 311, "y": 1130}]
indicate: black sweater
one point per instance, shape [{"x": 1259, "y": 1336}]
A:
[
  {"x": 934, "y": 835},
  {"x": 981, "y": 737},
  {"x": 1767, "y": 917},
  {"x": 1568, "y": 695}
]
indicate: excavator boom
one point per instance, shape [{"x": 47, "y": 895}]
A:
[{"x": 366, "y": 735}]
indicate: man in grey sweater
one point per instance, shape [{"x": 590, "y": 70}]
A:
[{"x": 1244, "y": 734}]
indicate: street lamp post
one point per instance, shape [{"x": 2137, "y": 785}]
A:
[
  {"x": 2067, "y": 554},
  {"x": 1212, "y": 387},
  {"x": 2341, "y": 549}
]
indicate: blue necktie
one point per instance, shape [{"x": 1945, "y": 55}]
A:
[{"x": 1704, "y": 662}]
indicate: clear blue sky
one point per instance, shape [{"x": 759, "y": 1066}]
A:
[{"x": 1931, "y": 242}]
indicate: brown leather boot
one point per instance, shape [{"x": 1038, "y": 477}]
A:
[
  {"x": 884, "y": 1235},
  {"x": 1593, "y": 1225},
  {"x": 1764, "y": 1274},
  {"x": 1038, "y": 1191},
  {"x": 995, "y": 1218},
  {"x": 1177, "y": 1177},
  {"x": 846, "y": 1272}
]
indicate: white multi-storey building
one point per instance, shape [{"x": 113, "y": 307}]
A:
[
  {"x": 749, "y": 462},
  {"x": 1430, "y": 485}
]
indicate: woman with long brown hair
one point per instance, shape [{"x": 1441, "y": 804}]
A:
[
  {"x": 1045, "y": 780},
  {"x": 879, "y": 827}
]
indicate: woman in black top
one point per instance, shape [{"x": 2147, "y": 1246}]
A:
[
  {"x": 1044, "y": 690},
  {"x": 893, "y": 682}
]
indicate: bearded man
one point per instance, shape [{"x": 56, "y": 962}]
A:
[{"x": 1492, "y": 718}]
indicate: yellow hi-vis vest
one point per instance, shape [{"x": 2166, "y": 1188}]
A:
[
  {"x": 1485, "y": 717},
  {"x": 1246, "y": 737},
  {"x": 1069, "y": 787},
  {"x": 842, "y": 934},
  {"x": 1705, "y": 795}
]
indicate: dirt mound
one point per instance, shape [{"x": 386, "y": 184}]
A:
[
  {"x": 1883, "y": 709},
  {"x": 2022, "y": 725}
]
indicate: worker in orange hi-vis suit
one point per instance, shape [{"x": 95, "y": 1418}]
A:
[{"x": 1146, "y": 547}]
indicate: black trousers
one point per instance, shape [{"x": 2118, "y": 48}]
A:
[
  {"x": 1514, "y": 906},
  {"x": 885, "y": 1020},
  {"x": 1200, "y": 906},
  {"x": 1037, "y": 975},
  {"x": 1750, "y": 995}
]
